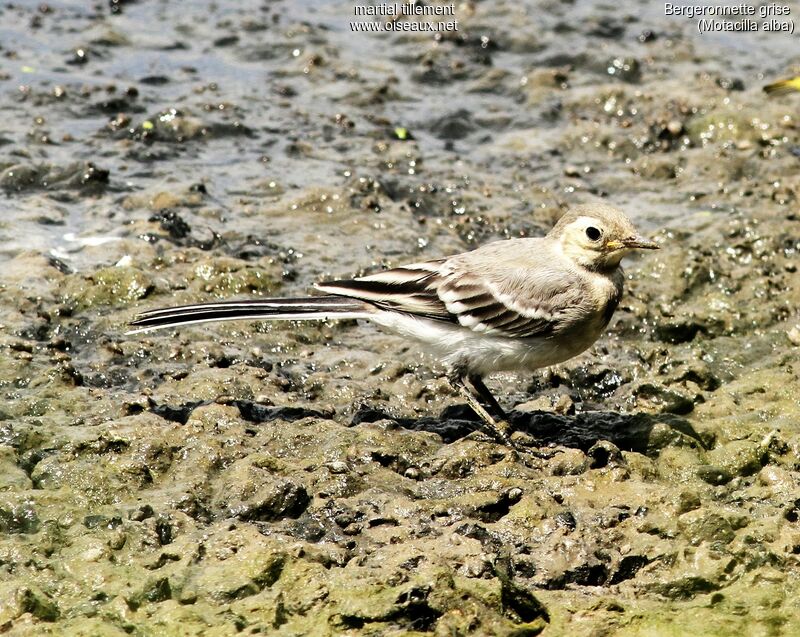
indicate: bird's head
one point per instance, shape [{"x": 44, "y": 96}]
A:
[{"x": 597, "y": 236}]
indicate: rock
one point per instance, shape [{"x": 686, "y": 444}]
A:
[
  {"x": 688, "y": 501},
  {"x": 778, "y": 478},
  {"x": 564, "y": 405},
  {"x": 12, "y": 477},
  {"x": 253, "y": 494},
  {"x": 730, "y": 83},
  {"x": 714, "y": 475},
  {"x": 456, "y": 125},
  {"x": 568, "y": 462},
  {"x": 17, "y": 515},
  {"x": 240, "y": 563},
  {"x": 542, "y": 403},
  {"x": 153, "y": 591},
  {"x": 79, "y": 175},
  {"x": 704, "y": 526},
  {"x": 738, "y": 458},
  {"x": 337, "y": 467}
]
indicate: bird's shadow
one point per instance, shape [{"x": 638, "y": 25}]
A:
[{"x": 639, "y": 432}]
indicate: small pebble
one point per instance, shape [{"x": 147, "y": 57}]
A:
[
  {"x": 515, "y": 494},
  {"x": 337, "y": 467},
  {"x": 772, "y": 476},
  {"x": 412, "y": 473},
  {"x": 564, "y": 405}
]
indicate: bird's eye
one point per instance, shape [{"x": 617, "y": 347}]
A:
[{"x": 593, "y": 233}]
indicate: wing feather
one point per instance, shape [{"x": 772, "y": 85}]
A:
[{"x": 512, "y": 303}]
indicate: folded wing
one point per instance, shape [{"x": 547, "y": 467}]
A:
[{"x": 513, "y": 302}]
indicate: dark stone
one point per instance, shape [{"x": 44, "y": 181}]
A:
[
  {"x": 730, "y": 83},
  {"x": 679, "y": 330},
  {"x": 453, "y": 126},
  {"x": 158, "y": 591},
  {"x": 173, "y": 223},
  {"x": 308, "y": 528},
  {"x": 164, "y": 530},
  {"x": 78, "y": 175},
  {"x": 628, "y": 567},
  {"x": 669, "y": 400},
  {"x": 227, "y": 40},
  {"x": 366, "y": 414},
  {"x": 142, "y": 513},
  {"x": 96, "y": 521},
  {"x": 155, "y": 80},
  {"x": 115, "y": 105},
  {"x": 474, "y": 531},
  {"x": 792, "y": 512},
  {"x": 286, "y": 499},
  {"x": 567, "y": 520},
  {"x": 19, "y": 519}
]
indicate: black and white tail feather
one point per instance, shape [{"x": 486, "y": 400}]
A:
[
  {"x": 402, "y": 289},
  {"x": 306, "y": 308}
]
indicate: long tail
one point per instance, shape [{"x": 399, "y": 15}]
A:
[{"x": 309, "y": 308}]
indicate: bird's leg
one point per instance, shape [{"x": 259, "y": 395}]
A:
[
  {"x": 475, "y": 389},
  {"x": 485, "y": 395},
  {"x": 498, "y": 429}
]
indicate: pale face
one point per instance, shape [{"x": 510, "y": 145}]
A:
[{"x": 599, "y": 244}]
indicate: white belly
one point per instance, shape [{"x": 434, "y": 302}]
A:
[{"x": 482, "y": 354}]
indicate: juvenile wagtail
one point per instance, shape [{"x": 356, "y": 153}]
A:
[{"x": 516, "y": 304}]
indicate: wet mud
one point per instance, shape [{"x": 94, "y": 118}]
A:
[{"x": 323, "y": 479}]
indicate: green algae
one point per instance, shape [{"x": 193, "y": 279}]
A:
[{"x": 117, "y": 285}]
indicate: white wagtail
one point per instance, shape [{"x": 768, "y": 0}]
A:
[{"x": 516, "y": 304}]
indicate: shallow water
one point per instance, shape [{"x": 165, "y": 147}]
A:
[{"x": 322, "y": 479}]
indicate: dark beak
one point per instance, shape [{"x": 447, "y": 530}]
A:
[{"x": 640, "y": 243}]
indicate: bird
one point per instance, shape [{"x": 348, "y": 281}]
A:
[
  {"x": 511, "y": 305},
  {"x": 782, "y": 87}
]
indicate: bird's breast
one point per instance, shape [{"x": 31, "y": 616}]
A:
[{"x": 605, "y": 291}]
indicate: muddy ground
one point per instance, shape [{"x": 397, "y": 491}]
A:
[{"x": 312, "y": 479}]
